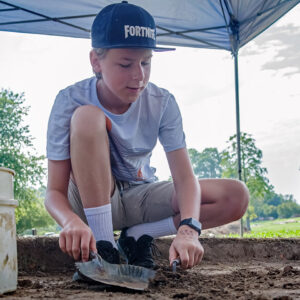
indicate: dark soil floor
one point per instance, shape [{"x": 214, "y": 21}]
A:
[
  {"x": 208, "y": 281},
  {"x": 239, "y": 274}
]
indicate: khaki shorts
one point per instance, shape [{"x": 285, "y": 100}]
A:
[{"x": 132, "y": 204}]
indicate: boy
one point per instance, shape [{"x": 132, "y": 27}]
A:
[{"x": 101, "y": 134}]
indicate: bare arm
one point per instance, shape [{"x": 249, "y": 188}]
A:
[
  {"x": 186, "y": 185},
  {"x": 56, "y": 200},
  {"x": 75, "y": 236},
  {"x": 187, "y": 194}
]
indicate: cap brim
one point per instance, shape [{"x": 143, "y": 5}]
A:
[
  {"x": 160, "y": 49},
  {"x": 156, "y": 49}
]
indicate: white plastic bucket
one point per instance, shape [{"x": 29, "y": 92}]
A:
[
  {"x": 8, "y": 244},
  {"x": 6, "y": 183}
]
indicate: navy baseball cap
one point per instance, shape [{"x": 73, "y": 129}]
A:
[{"x": 124, "y": 25}]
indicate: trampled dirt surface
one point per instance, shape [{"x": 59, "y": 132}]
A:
[{"x": 232, "y": 269}]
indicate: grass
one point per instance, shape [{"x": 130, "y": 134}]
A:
[
  {"x": 54, "y": 229},
  {"x": 279, "y": 228}
]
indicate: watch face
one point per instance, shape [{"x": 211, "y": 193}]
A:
[
  {"x": 193, "y": 223},
  {"x": 196, "y": 223}
]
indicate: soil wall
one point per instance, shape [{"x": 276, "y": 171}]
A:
[{"x": 43, "y": 253}]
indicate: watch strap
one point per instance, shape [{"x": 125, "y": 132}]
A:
[{"x": 193, "y": 223}]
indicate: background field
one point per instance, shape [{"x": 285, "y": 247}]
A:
[
  {"x": 285, "y": 228},
  {"x": 276, "y": 228}
]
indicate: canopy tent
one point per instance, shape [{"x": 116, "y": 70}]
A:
[
  {"x": 213, "y": 24},
  {"x": 216, "y": 24}
]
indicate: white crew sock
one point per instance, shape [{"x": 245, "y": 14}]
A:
[
  {"x": 100, "y": 221},
  {"x": 155, "y": 229}
]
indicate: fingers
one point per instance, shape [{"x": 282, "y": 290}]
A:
[
  {"x": 176, "y": 251},
  {"x": 62, "y": 243},
  {"x": 85, "y": 246},
  {"x": 200, "y": 256},
  {"x": 185, "y": 259},
  {"x": 93, "y": 244},
  {"x": 188, "y": 257},
  {"x": 76, "y": 247},
  {"x": 69, "y": 244},
  {"x": 173, "y": 254},
  {"x": 195, "y": 255},
  {"x": 192, "y": 258},
  {"x": 189, "y": 252},
  {"x": 77, "y": 242}
]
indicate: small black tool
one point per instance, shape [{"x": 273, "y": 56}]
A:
[{"x": 175, "y": 263}]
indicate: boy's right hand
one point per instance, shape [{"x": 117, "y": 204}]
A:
[{"x": 77, "y": 238}]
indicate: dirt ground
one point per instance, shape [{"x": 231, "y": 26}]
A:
[{"x": 246, "y": 270}]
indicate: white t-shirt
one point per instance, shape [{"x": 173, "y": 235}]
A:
[{"x": 133, "y": 134}]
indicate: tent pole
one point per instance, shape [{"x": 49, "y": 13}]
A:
[{"x": 238, "y": 132}]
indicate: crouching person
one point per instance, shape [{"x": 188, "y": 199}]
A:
[{"x": 101, "y": 134}]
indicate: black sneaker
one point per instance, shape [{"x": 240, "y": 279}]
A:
[
  {"x": 107, "y": 252},
  {"x": 138, "y": 253}
]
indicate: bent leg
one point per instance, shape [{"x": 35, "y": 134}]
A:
[
  {"x": 222, "y": 201},
  {"x": 90, "y": 160},
  {"x": 90, "y": 156}
]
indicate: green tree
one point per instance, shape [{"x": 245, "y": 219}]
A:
[
  {"x": 16, "y": 152},
  {"x": 288, "y": 207},
  {"x": 265, "y": 210},
  {"x": 16, "y": 142},
  {"x": 31, "y": 212},
  {"x": 251, "y": 159},
  {"x": 274, "y": 199},
  {"x": 253, "y": 174},
  {"x": 206, "y": 164}
]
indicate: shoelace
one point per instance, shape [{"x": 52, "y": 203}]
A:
[{"x": 154, "y": 249}]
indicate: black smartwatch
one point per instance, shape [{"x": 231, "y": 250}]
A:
[{"x": 193, "y": 223}]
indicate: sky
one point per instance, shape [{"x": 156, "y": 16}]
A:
[{"x": 202, "y": 82}]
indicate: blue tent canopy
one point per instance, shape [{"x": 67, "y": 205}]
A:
[{"x": 213, "y": 24}]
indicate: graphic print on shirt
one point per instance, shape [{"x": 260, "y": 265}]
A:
[{"x": 108, "y": 124}]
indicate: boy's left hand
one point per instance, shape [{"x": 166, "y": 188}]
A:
[{"x": 187, "y": 247}]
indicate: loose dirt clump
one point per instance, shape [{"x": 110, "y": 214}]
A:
[{"x": 234, "y": 281}]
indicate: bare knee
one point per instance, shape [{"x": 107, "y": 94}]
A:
[
  {"x": 87, "y": 122},
  {"x": 239, "y": 198}
]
